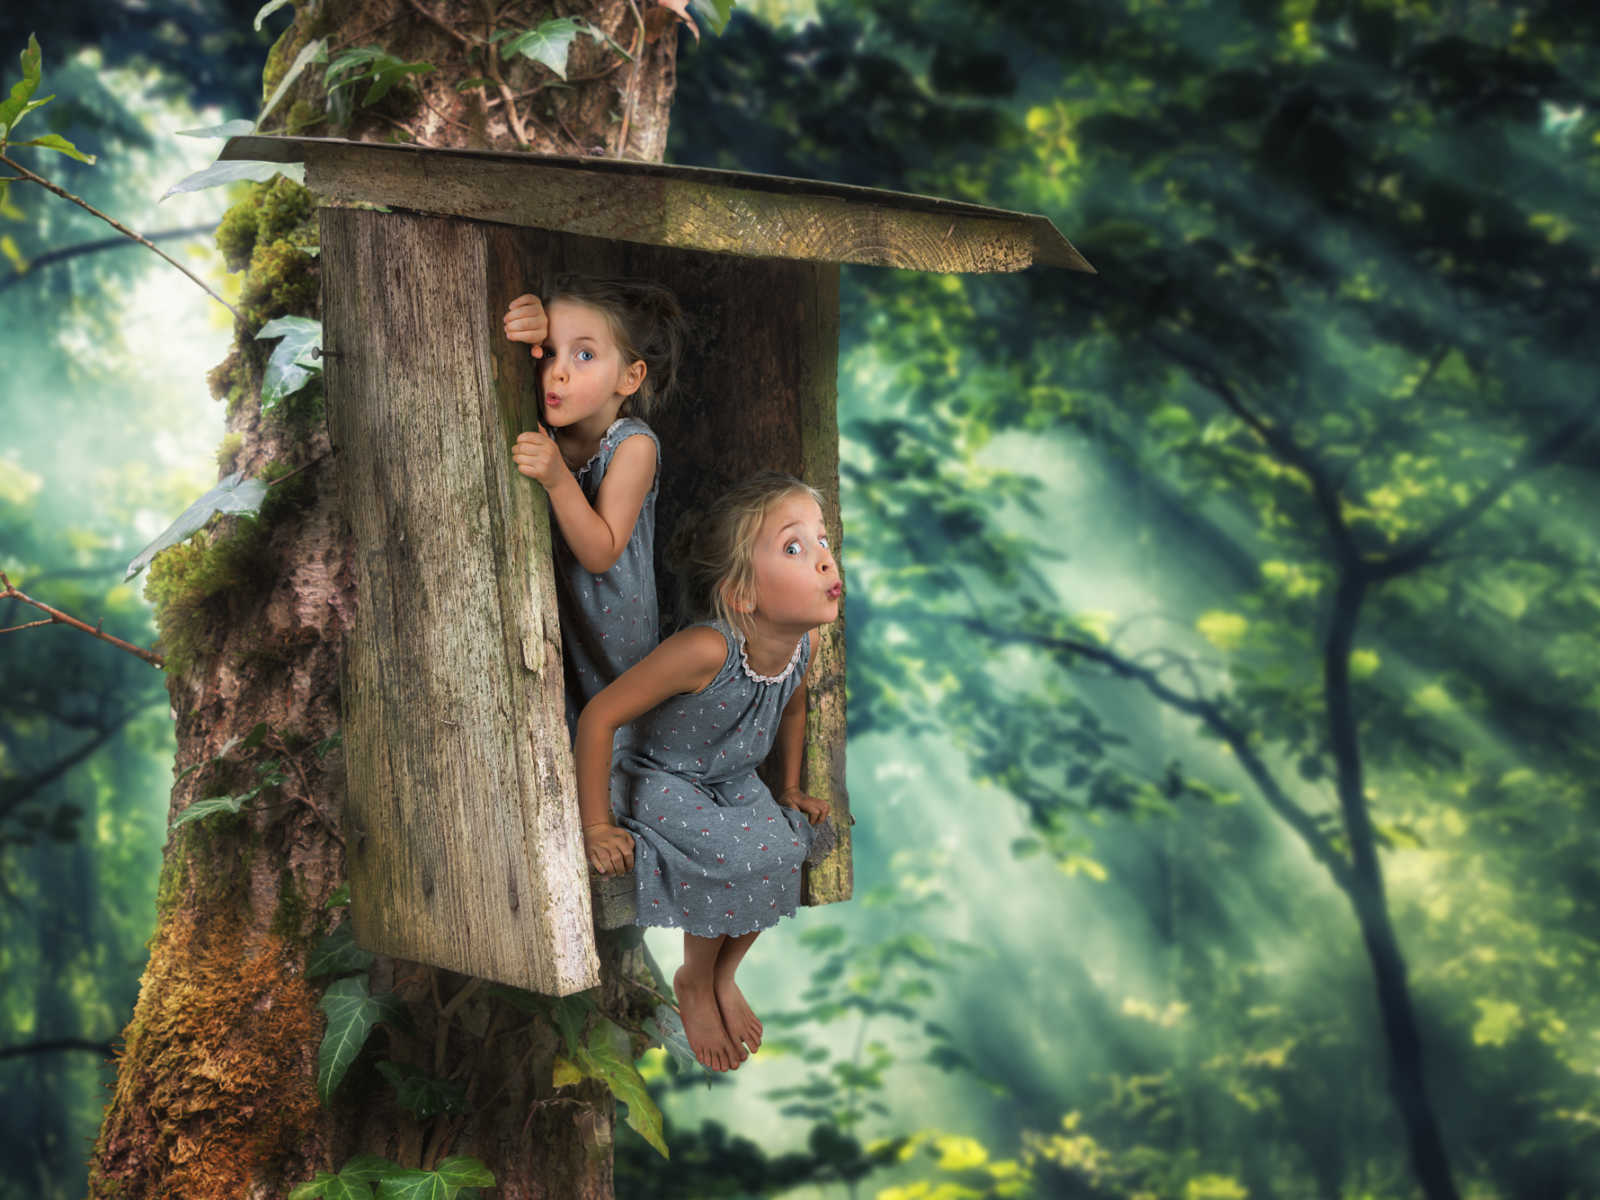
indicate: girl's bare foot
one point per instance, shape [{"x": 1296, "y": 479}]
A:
[
  {"x": 742, "y": 1024},
  {"x": 697, "y": 1002}
]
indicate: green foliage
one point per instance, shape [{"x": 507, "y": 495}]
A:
[
  {"x": 607, "y": 1055},
  {"x": 234, "y": 495},
  {"x": 352, "y": 1011},
  {"x": 458, "y": 1175},
  {"x": 338, "y": 954},
  {"x": 12, "y": 111},
  {"x": 294, "y": 361},
  {"x": 421, "y": 1094},
  {"x": 372, "y": 65},
  {"x": 21, "y": 103},
  {"x": 1098, "y": 528},
  {"x": 548, "y": 43}
]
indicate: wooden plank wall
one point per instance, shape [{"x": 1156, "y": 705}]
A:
[{"x": 461, "y": 819}]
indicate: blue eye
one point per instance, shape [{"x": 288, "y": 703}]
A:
[
  {"x": 584, "y": 355},
  {"x": 792, "y": 549},
  {"x": 822, "y": 540}
]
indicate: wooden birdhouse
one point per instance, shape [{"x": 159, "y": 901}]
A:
[{"x": 461, "y": 815}]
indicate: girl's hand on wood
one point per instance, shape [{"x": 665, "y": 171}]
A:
[
  {"x": 538, "y": 457},
  {"x": 608, "y": 849},
  {"x": 525, "y": 321},
  {"x": 815, "y": 810}
]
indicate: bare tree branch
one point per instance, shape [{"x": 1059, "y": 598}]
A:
[
  {"x": 51, "y": 1045},
  {"x": 1280, "y": 442},
  {"x": 1541, "y": 454},
  {"x": 122, "y": 229},
  {"x": 1208, "y": 712},
  {"x": 57, "y": 617},
  {"x": 94, "y": 247}
]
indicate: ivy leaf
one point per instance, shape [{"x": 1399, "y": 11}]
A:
[
  {"x": 422, "y": 1094},
  {"x": 341, "y": 1187},
  {"x": 548, "y": 43},
  {"x": 235, "y": 128},
  {"x": 266, "y": 10},
  {"x": 235, "y": 494},
  {"x": 291, "y": 366},
  {"x": 13, "y": 110},
  {"x": 607, "y": 1057},
  {"x": 54, "y": 141},
  {"x": 415, "y": 1185},
  {"x": 715, "y": 13},
  {"x": 337, "y": 954},
  {"x": 372, "y": 63},
  {"x": 316, "y": 51},
  {"x": 201, "y": 809},
  {"x": 461, "y": 1171},
  {"x": 352, "y": 1011},
  {"x": 235, "y": 171},
  {"x": 312, "y": 1188},
  {"x": 340, "y": 897},
  {"x": 369, "y": 1168}
]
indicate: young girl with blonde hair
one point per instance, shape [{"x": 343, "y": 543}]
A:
[
  {"x": 712, "y": 850},
  {"x": 608, "y": 352}
]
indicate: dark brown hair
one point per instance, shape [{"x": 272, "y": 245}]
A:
[{"x": 646, "y": 321}]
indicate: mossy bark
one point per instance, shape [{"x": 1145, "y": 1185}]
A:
[{"x": 215, "y": 1095}]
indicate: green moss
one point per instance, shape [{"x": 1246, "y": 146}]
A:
[
  {"x": 189, "y": 585},
  {"x": 236, "y": 234},
  {"x": 302, "y": 115},
  {"x": 289, "y": 918},
  {"x": 284, "y": 209},
  {"x": 308, "y": 25},
  {"x": 173, "y": 881},
  {"x": 282, "y": 279},
  {"x": 228, "y": 450}
]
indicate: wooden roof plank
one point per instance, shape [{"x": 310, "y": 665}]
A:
[{"x": 694, "y": 208}]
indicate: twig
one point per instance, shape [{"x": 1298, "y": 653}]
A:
[
  {"x": 120, "y": 228},
  {"x": 277, "y": 743},
  {"x": 302, "y": 467},
  {"x": 416, "y": 6},
  {"x": 446, "y": 1012},
  {"x": 57, "y": 617},
  {"x": 633, "y": 81}
]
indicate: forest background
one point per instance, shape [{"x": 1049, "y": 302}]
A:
[{"x": 1185, "y": 601}]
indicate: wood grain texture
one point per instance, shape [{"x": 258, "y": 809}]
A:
[
  {"x": 684, "y": 207},
  {"x": 462, "y": 828}
]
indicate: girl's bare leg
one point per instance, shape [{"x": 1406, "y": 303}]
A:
[
  {"x": 695, "y": 986},
  {"x": 742, "y": 1024}
]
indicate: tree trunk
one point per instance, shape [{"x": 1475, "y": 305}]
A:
[
  {"x": 1402, "y": 1038},
  {"x": 216, "y": 1093}
]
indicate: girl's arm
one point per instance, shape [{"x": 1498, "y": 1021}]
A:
[
  {"x": 685, "y": 662},
  {"x": 790, "y": 747},
  {"x": 598, "y": 535}
]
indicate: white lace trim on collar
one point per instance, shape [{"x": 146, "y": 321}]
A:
[
  {"x": 744, "y": 661},
  {"x": 604, "y": 437}
]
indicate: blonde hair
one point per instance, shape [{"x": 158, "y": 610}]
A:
[
  {"x": 648, "y": 326},
  {"x": 717, "y": 571}
]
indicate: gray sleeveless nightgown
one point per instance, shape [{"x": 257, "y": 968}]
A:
[
  {"x": 609, "y": 621},
  {"x": 714, "y": 853}
]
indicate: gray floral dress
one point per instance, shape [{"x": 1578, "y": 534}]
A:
[
  {"x": 714, "y": 853},
  {"x": 608, "y": 621}
]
